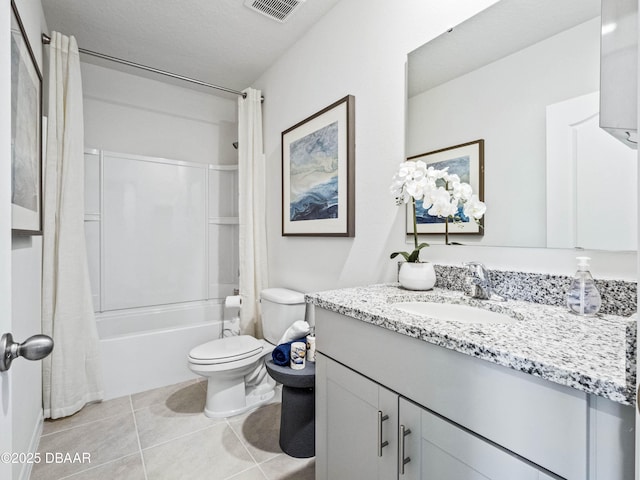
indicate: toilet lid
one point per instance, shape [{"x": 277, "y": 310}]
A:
[{"x": 226, "y": 350}]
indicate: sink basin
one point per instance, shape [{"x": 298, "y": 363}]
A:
[{"x": 454, "y": 312}]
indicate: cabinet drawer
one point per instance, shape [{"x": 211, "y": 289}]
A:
[{"x": 439, "y": 449}]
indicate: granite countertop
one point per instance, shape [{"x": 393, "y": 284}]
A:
[{"x": 596, "y": 355}]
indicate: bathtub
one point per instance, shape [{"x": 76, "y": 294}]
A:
[{"x": 145, "y": 348}]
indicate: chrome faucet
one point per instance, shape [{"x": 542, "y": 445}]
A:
[{"x": 477, "y": 283}]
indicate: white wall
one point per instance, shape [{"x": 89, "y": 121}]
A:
[
  {"x": 360, "y": 48},
  {"x": 132, "y": 114},
  {"x": 26, "y": 260}
]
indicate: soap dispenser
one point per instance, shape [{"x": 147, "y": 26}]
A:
[{"x": 583, "y": 297}]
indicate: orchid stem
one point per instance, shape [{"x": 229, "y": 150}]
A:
[
  {"x": 446, "y": 231},
  {"x": 415, "y": 224}
]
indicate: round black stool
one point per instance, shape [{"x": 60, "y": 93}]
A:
[{"x": 298, "y": 410}]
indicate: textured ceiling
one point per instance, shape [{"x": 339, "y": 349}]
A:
[
  {"x": 216, "y": 41},
  {"x": 504, "y": 28}
]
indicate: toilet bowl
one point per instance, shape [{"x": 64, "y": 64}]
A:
[
  {"x": 229, "y": 362},
  {"x": 225, "y": 363}
]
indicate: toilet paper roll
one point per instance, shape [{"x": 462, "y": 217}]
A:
[
  {"x": 233, "y": 301},
  {"x": 298, "y": 352}
]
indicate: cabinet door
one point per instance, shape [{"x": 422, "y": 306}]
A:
[
  {"x": 356, "y": 425},
  {"x": 436, "y": 449}
]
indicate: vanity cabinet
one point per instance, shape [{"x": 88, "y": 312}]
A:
[
  {"x": 468, "y": 418},
  {"x": 371, "y": 432}
]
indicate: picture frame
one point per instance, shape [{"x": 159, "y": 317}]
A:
[
  {"x": 26, "y": 133},
  {"x": 318, "y": 173},
  {"x": 467, "y": 161}
]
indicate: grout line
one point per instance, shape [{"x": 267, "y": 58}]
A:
[
  {"x": 241, "y": 441},
  {"x": 135, "y": 424},
  {"x": 261, "y": 463},
  {"x": 246, "y": 448},
  {"x": 93, "y": 466},
  {"x": 182, "y": 436},
  {"x": 235, "y": 475},
  {"x": 81, "y": 472},
  {"x": 185, "y": 384},
  {"x": 82, "y": 424}
]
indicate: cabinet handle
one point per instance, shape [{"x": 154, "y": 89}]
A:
[
  {"x": 402, "y": 461},
  {"x": 381, "y": 444}
]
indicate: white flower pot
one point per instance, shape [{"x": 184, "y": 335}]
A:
[{"x": 417, "y": 276}]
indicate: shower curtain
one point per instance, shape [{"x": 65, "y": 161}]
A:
[
  {"x": 252, "y": 211},
  {"x": 71, "y": 375}
]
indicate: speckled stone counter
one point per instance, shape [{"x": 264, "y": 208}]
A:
[{"x": 596, "y": 355}]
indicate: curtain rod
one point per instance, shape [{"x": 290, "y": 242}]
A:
[{"x": 46, "y": 40}]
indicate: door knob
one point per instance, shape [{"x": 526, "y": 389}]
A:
[{"x": 33, "y": 348}]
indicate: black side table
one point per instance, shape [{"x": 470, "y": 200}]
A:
[{"x": 298, "y": 410}]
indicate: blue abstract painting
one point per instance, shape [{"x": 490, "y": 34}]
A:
[
  {"x": 313, "y": 175},
  {"x": 461, "y": 166}
]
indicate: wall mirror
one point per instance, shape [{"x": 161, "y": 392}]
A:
[{"x": 524, "y": 76}]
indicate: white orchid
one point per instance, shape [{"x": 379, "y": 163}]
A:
[
  {"x": 462, "y": 191},
  {"x": 443, "y": 192},
  {"x": 474, "y": 208},
  {"x": 442, "y": 204}
]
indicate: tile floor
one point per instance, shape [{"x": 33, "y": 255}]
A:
[{"x": 162, "y": 434}]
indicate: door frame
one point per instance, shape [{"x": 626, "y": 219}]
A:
[{"x": 6, "y": 415}]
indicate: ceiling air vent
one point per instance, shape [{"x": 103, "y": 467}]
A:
[{"x": 279, "y": 10}]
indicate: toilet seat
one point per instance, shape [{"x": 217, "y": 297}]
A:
[{"x": 226, "y": 350}]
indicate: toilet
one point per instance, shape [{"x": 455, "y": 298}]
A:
[{"x": 227, "y": 361}]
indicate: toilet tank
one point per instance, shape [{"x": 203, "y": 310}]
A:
[{"x": 280, "y": 308}]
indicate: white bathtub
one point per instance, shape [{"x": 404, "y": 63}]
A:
[{"x": 146, "y": 348}]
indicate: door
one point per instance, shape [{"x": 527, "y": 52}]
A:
[
  {"x": 5, "y": 230},
  {"x": 356, "y": 424},
  {"x": 435, "y": 448}
]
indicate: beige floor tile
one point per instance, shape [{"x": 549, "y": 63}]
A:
[
  {"x": 181, "y": 414},
  {"x": 260, "y": 431},
  {"x": 90, "y": 413},
  {"x": 127, "y": 468},
  {"x": 214, "y": 453},
  {"x": 284, "y": 467},
  {"x": 103, "y": 441},
  {"x": 179, "y": 441},
  {"x": 252, "y": 474},
  {"x": 171, "y": 394}
]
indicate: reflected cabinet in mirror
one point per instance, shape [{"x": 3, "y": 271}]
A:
[{"x": 524, "y": 76}]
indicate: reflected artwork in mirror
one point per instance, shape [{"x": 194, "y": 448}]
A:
[{"x": 523, "y": 76}]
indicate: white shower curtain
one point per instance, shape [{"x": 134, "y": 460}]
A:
[
  {"x": 252, "y": 211},
  {"x": 71, "y": 374}
]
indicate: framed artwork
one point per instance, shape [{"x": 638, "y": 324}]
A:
[
  {"x": 26, "y": 133},
  {"x": 318, "y": 173},
  {"x": 465, "y": 160}
]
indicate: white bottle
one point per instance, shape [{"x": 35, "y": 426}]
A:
[{"x": 583, "y": 297}]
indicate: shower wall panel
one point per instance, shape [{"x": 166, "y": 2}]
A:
[
  {"x": 159, "y": 231},
  {"x": 223, "y": 230},
  {"x": 153, "y": 218}
]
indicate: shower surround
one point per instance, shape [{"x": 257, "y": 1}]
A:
[{"x": 162, "y": 243}]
